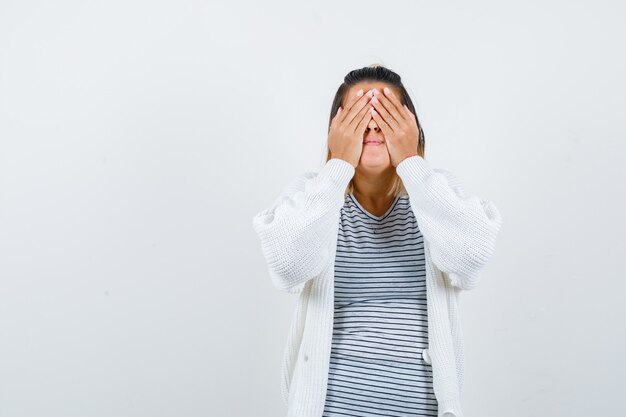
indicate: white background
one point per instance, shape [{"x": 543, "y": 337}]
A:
[{"x": 138, "y": 139}]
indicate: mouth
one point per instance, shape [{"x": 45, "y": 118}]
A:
[{"x": 373, "y": 142}]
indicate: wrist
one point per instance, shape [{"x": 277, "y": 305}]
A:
[{"x": 406, "y": 157}]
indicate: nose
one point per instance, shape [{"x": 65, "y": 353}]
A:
[{"x": 372, "y": 125}]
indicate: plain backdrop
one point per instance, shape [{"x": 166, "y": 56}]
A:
[{"x": 138, "y": 139}]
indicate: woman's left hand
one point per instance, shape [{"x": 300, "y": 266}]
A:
[{"x": 398, "y": 125}]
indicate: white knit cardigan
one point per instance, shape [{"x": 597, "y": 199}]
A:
[{"x": 298, "y": 235}]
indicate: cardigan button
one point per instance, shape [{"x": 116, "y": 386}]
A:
[{"x": 426, "y": 356}]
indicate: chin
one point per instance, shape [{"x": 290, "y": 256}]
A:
[{"x": 377, "y": 162}]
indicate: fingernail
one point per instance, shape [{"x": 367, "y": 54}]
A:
[
  {"x": 387, "y": 90},
  {"x": 359, "y": 93}
]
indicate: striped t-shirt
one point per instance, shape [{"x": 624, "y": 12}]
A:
[{"x": 380, "y": 322}]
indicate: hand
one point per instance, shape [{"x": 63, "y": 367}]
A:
[
  {"x": 345, "y": 138},
  {"x": 398, "y": 125}
]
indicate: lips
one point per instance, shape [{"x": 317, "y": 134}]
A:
[{"x": 373, "y": 141}]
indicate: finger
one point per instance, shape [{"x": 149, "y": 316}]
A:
[
  {"x": 393, "y": 123},
  {"x": 356, "y": 104},
  {"x": 410, "y": 114},
  {"x": 391, "y": 98},
  {"x": 387, "y": 131},
  {"x": 365, "y": 120},
  {"x": 354, "y": 125},
  {"x": 335, "y": 119}
]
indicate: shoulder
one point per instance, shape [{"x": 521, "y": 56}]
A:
[
  {"x": 298, "y": 183},
  {"x": 448, "y": 174},
  {"x": 453, "y": 180},
  {"x": 300, "y": 179}
]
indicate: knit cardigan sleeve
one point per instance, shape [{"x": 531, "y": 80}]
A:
[
  {"x": 460, "y": 228},
  {"x": 296, "y": 231}
]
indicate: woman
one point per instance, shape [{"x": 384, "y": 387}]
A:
[{"x": 378, "y": 245}]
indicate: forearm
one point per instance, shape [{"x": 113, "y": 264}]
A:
[
  {"x": 461, "y": 229},
  {"x": 296, "y": 231}
]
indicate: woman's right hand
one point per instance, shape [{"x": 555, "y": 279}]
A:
[{"x": 345, "y": 138}]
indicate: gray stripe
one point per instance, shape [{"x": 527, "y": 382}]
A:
[{"x": 380, "y": 319}]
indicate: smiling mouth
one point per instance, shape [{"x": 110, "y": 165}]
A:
[{"x": 372, "y": 142}]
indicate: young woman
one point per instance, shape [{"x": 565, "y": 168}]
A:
[{"x": 378, "y": 245}]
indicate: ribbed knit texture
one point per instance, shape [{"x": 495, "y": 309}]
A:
[{"x": 298, "y": 235}]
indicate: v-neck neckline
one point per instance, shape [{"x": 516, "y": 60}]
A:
[{"x": 367, "y": 213}]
